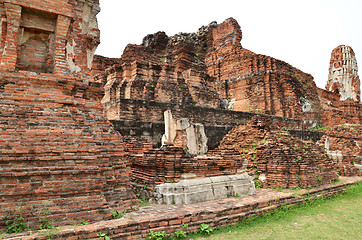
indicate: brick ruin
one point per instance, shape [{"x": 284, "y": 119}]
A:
[
  {"x": 229, "y": 76},
  {"x": 279, "y": 159},
  {"x": 219, "y": 84},
  {"x": 189, "y": 106},
  {"x": 243, "y": 80},
  {"x": 57, "y": 149},
  {"x": 343, "y": 143},
  {"x": 343, "y": 76},
  {"x": 341, "y": 101}
]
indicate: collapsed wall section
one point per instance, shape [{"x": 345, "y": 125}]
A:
[
  {"x": 255, "y": 82},
  {"x": 344, "y": 145},
  {"x": 279, "y": 159}
]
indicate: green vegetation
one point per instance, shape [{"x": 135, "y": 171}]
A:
[
  {"x": 43, "y": 216},
  {"x": 205, "y": 229},
  {"x": 339, "y": 217},
  {"x": 118, "y": 215},
  {"x": 84, "y": 222},
  {"x": 103, "y": 236},
  {"x": 15, "y": 222},
  {"x": 319, "y": 126},
  {"x": 156, "y": 235},
  {"x": 180, "y": 234},
  {"x": 143, "y": 202}
]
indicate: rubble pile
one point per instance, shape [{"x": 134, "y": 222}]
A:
[{"x": 278, "y": 159}]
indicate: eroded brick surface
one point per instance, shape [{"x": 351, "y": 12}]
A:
[
  {"x": 241, "y": 79},
  {"x": 285, "y": 161},
  {"x": 344, "y": 142},
  {"x": 210, "y": 68},
  {"x": 168, "y": 164},
  {"x": 49, "y": 36},
  {"x": 56, "y": 148},
  {"x": 343, "y": 76}
]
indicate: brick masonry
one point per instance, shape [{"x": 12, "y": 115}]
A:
[
  {"x": 243, "y": 80},
  {"x": 284, "y": 161},
  {"x": 58, "y": 151},
  {"x": 345, "y": 140},
  {"x": 65, "y": 34},
  {"x": 136, "y": 225},
  {"x": 56, "y": 148},
  {"x": 157, "y": 166}
]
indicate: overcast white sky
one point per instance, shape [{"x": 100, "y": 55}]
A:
[{"x": 302, "y": 33}]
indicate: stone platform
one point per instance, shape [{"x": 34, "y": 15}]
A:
[
  {"x": 197, "y": 190},
  {"x": 169, "y": 218}
]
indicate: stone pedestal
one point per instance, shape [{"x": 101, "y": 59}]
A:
[{"x": 190, "y": 191}]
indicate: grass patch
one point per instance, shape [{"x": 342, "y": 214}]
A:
[{"x": 339, "y": 217}]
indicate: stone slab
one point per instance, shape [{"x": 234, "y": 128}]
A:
[{"x": 197, "y": 190}]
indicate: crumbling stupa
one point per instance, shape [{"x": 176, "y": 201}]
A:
[{"x": 343, "y": 76}]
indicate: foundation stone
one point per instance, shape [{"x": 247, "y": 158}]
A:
[{"x": 196, "y": 190}]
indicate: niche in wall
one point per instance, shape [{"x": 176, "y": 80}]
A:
[{"x": 36, "y": 41}]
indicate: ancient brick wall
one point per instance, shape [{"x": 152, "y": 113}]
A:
[
  {"x": 36, "y": 50},
  {"x": 162, "y": 83},
  {"x": 283, "y": 160},
  {"x": 57, "y": 150},
  {"x": 64, "y": 7},
  {"x": 153, "y": 132},
  {"x": 169, "y": 164},
  {"x": 49, "y": 36},
  {"x": 227, "y": 75},
  {"x": 256, "y": 82},
  {"x": 99, "y": 65},
  {"x": 145, "y": 118},
  {"x": 343, "y": 142},
  {"x": 336, "y": 112}
]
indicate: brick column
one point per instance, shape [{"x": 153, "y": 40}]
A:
[
  {"x": 60, "y": 64},
  {"x": 10, "y": 53}
]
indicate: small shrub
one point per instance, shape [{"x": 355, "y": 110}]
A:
[
  {"x": 44, "y": 221},
  {"x": 84, "y": 222},
  {"x": 205, "y": 229},
  {"x": 104, "y": 236},
  {"x": 117, "y": 215},
  {"x": 258, "y": 183},
  {"x": 180, "y": 234},
  {"x": 15, "y": 222},
  {"x": 143, "y": 202},
  {"x": 185, "y": 225},
  {"x": 156, "y": 235}
]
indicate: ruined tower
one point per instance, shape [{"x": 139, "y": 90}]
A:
[
  {"x": 343, "y": 76},
  {"x": 56, "y": 148}
]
